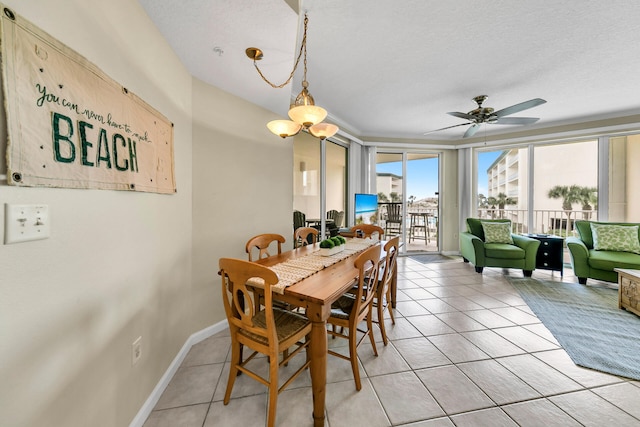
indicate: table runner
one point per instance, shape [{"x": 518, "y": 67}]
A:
[{"x": 294, "y": 270}]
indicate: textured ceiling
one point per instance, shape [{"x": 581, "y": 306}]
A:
[{"x": 388, "y": 69}]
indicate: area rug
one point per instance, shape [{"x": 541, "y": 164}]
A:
[
  {"x": 431, "y": 258},
  {"x": 588, "y": 324}
]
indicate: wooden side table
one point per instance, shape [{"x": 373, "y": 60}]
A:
[
  {"x": 629, "y": 289},
  {"x": 550, "y": 252}
]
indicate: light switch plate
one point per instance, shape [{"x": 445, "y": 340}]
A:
[{"x": 23, "y": 223}]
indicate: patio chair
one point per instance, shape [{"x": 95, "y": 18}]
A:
[{"x": 393, "y": 220}]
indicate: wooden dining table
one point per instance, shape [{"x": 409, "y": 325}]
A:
[{"x": 316, "y": 293}]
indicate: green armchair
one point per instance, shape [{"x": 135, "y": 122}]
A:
[
  {"x": 521, "y": 254},
  {"x": 587, "y": 262}
]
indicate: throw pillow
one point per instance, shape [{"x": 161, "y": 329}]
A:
[
  {"x": 497, "y": 232},
  {"x": 622, "y": 238}
]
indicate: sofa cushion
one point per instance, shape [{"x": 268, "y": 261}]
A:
[
  {"x": 620, "y": 238},
  {"x": 503, "y": 251},
  {"x": 584, "y": 230},
  {"x": 608, "y": 260},
  {"x": 474, "y": 225},
  {"x": 497, "y": 232}
]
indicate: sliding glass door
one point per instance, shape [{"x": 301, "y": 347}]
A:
[
  {"x": 408, "y": 197},
  {"x": 314, "y": 201}
]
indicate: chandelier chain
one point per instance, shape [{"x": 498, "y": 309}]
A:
[{"x": 303, "y": 49}]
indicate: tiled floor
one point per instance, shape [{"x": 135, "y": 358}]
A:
[{"x": 465, "y": 351}]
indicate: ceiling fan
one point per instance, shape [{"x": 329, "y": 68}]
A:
[{"x": 482, "y": 115}]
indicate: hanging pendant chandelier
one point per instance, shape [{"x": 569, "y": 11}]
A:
[{"x": 304, "y": 113}]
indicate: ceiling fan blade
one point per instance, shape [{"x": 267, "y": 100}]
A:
[
  {"x": 462, "y": 115},
  {"x": 472, "y": 130},
  {"x": 516, "y": 120},
  {"x": 448, "y": 127},
  {"x": 519, "y": 107}
]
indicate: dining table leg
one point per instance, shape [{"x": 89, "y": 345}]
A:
[{"x": 318, "y": 355}]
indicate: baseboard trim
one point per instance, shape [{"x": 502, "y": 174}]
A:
[
  {"x": 450, "y": 253},
  {"x": 152, "y": 400}
]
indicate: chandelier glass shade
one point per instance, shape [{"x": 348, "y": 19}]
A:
[
  {"x": 304, "y": 114},
  {"x": 323, "y": 130},
  {"x": 284, "y": 128}
]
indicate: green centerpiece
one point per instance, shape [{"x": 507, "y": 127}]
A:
[{"x": 332, "y": 245}]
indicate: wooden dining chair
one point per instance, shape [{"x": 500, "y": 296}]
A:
[
  {"x": 301, "y": 236},
  {"x": 382, "y": 300},
  {"x": 269, "y": 331},
  {"x": 262, "y": 242},
  {"x": 367, "y": 230},
  {"x": 354, "y": 307}
]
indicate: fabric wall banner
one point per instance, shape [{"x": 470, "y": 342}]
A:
[{"x": 70, "y": 125}]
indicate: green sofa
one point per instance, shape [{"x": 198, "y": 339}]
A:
[
  {"x": 597, "y": 264},
  {"x": 521, "y": 254}
]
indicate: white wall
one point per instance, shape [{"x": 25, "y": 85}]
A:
[{"x": 118, "y": 265}]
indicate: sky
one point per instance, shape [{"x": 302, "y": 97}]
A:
[{"x": 422, "y": 175}]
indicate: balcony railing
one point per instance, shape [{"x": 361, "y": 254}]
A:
[{"x": 558, "y": 222}]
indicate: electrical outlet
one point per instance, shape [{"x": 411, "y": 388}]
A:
[{"x": 136, "y": 350}]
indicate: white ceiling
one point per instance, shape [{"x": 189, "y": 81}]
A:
[{"x": 389, "y": 69}]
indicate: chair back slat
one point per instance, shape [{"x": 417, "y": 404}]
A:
[
  {"x": 394, "y": 212},
  {"x": 368, "y": 230},
  {"x": 299, "y": 220},
  {"x": 301, "y": 236},
  {"x": 262, "y": 243},
  {"x": 239, "y": 301},
  {"x": 390, "y": 264},
  {"x": 367, "y": 263}
]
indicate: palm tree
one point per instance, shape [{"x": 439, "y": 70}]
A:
[
  {"x": 588, "y": 196},
  {"x": 395, "y": 197},
  {"x": 412, "y": 199},
  {"x": 569, "y": 196},
  {"x": 491, "y": 204},
  {"x": 382, "y": 197},
  {"x": 502, "y": 200},
  {"x": 482, "y": 202}
]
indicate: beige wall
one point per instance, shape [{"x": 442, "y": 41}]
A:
[
  {"x": 633, "y": 178},
  {"x": 448, "y": 199},
  {"x": 624, "y": 199},
  {"x": 117, "y": 265},
  {"x": 242, "y": 186}
]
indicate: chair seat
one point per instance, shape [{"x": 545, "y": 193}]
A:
[
  {"x": 503, "y": 251},
  {"x": 608, "y": 260},
  {"x": 341, "y": 309},
  {"x": 288, "y": 324}
]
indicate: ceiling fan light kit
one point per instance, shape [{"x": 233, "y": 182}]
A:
[
  {"x": 304, "y": 114},
  {"x": 488, "y": 115}
]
